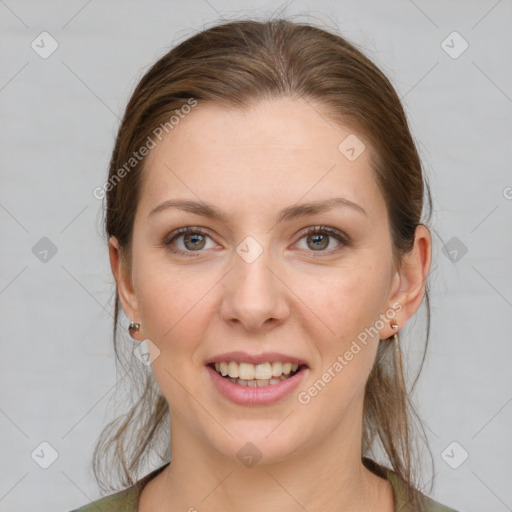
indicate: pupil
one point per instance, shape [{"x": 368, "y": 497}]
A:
[
  {"x": 318, "y": 238},
  {"x": 195, "y": 238}
]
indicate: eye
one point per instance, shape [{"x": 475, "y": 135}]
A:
[
  {"x": 319, "y": 238},
  {"x": 188, "y": 240}
]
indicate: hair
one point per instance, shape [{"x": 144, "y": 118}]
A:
[{"x": 236, "y": 64}]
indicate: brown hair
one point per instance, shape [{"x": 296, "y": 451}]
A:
[{"x": 237, "y": 63}]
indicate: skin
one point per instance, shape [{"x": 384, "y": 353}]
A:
[{"x": 294, "y": 298}]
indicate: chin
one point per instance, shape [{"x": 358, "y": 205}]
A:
[{"x": 261, "y": 442}]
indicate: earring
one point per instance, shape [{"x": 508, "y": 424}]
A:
[
  {"x": 133, "y": 328},
  {"x": 394, "y": 325}
]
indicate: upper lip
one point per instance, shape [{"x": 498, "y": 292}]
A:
[{"x": 265, "y": 357}]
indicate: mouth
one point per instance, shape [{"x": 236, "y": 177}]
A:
[{"x": 259, "y": 375}]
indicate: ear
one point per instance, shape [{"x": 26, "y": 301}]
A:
[
  {"x": 122, "y": 275},
  {"x": 410, "y": 280}
]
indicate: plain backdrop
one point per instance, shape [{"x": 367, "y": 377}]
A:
[{"x": 61, "y": 96}]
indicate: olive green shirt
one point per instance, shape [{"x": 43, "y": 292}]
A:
[{"x": 127, "y": 499}]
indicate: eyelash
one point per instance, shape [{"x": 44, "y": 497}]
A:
[{"x": 168, "y": 241}]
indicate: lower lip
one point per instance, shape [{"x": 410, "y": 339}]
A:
[{"x": 243, "y": 395}]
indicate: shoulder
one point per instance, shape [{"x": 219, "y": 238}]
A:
[
  {"x": 406, "y": 499},
  {"x": 126, "y": 500},
  {"x": 434, "y": 506},
  {"x": 425, "y": 503},
  {"x": 122, "y": 501}
]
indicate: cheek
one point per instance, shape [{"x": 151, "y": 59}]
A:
[
  {"x": 171, "y": 305},
  {"x": 349, "y": 304},
  {"x": 352, "y": 301},
  {"x": 173, "y": 310}
]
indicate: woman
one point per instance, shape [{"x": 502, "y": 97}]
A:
[{"x": 264, "y": 207}]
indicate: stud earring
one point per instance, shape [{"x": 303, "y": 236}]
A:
[
  {"x": 133, "y": 328},
  {"x": 394, "y": 325}
]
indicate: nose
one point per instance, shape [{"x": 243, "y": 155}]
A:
[{"x": 255, "y": 296}]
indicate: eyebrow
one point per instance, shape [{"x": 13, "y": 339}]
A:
[{"x": 287, "y": 214}]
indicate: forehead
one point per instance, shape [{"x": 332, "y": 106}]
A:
[{"x": 274, "y": 151}]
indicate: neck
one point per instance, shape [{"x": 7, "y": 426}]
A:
[{"x": 329, "y": 472}]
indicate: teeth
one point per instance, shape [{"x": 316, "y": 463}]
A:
[
  {"x": 246, "y": 371},
  {"x": 252, "y": 375},
  {"x": 287, "y": 368},
  {"x": 233, "y": 370},
  {"x": 277, "y": 369},
  {"x": 257, "y": 383},
  {"x": 263, "y": 371}
]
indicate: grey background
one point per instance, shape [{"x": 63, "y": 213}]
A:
[{"x": 58, "y": 121}]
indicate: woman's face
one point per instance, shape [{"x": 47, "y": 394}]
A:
[{"x": 251, "y": 284}]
